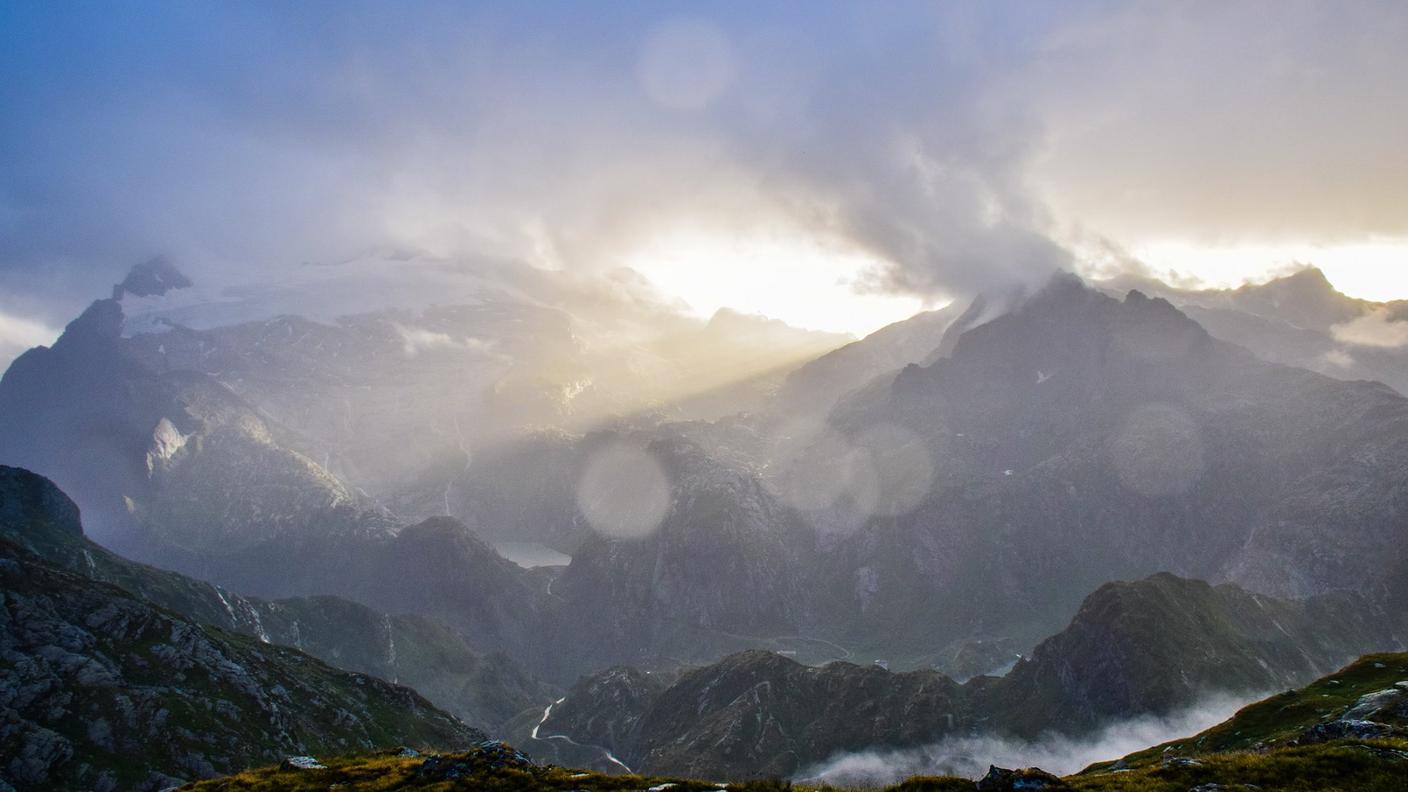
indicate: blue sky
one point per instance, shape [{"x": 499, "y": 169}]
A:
[{"x": 938, "y": 148}]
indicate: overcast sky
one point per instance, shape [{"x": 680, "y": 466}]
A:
[{"x": 905, "y": 152}]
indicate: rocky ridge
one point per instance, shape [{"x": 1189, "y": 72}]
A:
[
  {"x": 486, "y": 690},
  {"x": 102, "y": 690},
  {"x": 1148, "y": 647}
]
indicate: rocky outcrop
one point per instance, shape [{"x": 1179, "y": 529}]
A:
[
  {"x": 485, "y": 690},
  {"x": 1000, "y": 779},
  {"x": 102, "y": 690}
]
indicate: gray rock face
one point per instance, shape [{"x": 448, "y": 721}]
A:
[
  {"x": 172, "y": 467},
  {"x": 152, "y": 278},
  {"x": 605, "y": 708},
  {"x": 99, "y": 689},
  {"x": 484, "y": 690},
  {"x": 726, "y": 562},
  {"x": 1002, "y": 780}
]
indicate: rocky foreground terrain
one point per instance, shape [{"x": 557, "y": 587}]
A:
[
  {"x": 103, "y": 690},
  {"x": 485, "y": 690}
]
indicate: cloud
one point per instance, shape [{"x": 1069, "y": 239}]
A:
[
  {"x": 1221, "y": 122},
  {"x": 969, "y": 757},
  {"x": 1382, "y": 327},
  {"x": 415, "y": 340},
  {"x": 954, "y": 142},
  {"x": 1339, "y": 359},
  {"x": 241, "y": 142}
]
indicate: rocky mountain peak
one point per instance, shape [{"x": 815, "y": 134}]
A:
[
  {"x": 1309, "y": 278},
  {"x": 152, "y": 278},
  {"x": 101, "y": 322},
  {"x": 445, "y": 532},
  {"x": 1305, "y": 298}
]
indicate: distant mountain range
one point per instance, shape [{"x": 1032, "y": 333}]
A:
[
  {"x": 938, "y": 498},
  {"x": 1344, "y": 731},
  {"x": 1049, "y": 444},
  {"x": 1298, "y": 320},
  {"x": 1150, "y": 647}
]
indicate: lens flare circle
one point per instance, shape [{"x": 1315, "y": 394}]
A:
[{"x": 623, "y": 491}]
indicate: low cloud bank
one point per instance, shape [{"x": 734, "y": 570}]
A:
[
  {"x": 969, "y": 757},
  {"x": 1384, "y": 327}
]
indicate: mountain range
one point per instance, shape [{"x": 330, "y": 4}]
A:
[
  {"x": 940, "y": 498},
  {"x": 1343, "y": 731},
  {"x": 1145, "y": 648}
]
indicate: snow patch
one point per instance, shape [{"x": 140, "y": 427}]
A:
[{"x": 167, "y": 441}]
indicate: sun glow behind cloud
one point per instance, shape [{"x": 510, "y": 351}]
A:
[
  {"x": 805, "y": 282},
  {"x": 1372, "y": 270}
]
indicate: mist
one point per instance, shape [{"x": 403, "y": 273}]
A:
[
  {"x": 1382, "y": 327},
  {"x": 970, "y": 757}
]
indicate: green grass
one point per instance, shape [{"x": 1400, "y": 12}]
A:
[{"x": 1342, "y": 766}]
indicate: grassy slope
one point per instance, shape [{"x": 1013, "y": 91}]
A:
[{"x": 1275, "y": 721}]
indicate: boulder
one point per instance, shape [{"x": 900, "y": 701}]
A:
[
  {"x": 1001, "y": 780},
  {"x": 302, "y": 763}
]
